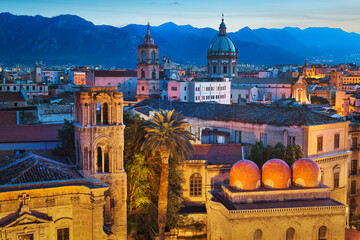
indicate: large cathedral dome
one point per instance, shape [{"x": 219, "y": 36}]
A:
[
  {"x": 222, "y": 44},
  {"x": 222, "y": 55}
]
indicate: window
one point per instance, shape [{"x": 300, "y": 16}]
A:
[
  {"x": 323, "y": 233},
  {"x": 142, "y": 88},
  {"x": 336, "y": 179},
  {"x": 195, "y": 185},
  {"x": 263, "y": 138},
  {"x": 320, "y": 143},
  {"x": 214, "y": 69},
  {"x": 237, "y": 137},
  {"x": 354, "y": 167},
  {"x": 291, "y": 140},
  {"x": 290, "y": 234},
  {"x": 269, "y": 97},
  {"x": 353, "y": 187},
  {"x": 184, "y": 97},
  {"x": 257, "y": 234},
  {"x": 153, "y": 75},
  {"x": 63, "y": 234},
  {"x": 283, "y": 95},
  {"x": 26, "y": 237},
  {"x": 336, "y": 141},
  {"x": 173, "y": 88},
  {"x": 142, "y": 74},
  {"x": 225, "y": 69},
  {"x": 322, "y": 177},
  {"x": 354, "y": 143},
  {"x": 98, "y": 113}
]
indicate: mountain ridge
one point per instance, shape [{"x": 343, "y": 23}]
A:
[{"x": 70, "y": 39}]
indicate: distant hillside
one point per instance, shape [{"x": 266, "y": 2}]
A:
[{"x": 70, "y": 39}]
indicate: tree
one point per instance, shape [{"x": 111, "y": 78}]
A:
[
  {"x": 319, "y": 100},
  {"x": 293, "y": 152},
  {"x": 260, "y": 154},
  {"x": 166, "y": 135},
  {"x": 67, "y": 147}
]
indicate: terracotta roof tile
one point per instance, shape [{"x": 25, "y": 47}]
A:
[{"x": 283, "y": 116}]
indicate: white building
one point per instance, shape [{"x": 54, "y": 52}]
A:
[{"x": 200, "y": 91}]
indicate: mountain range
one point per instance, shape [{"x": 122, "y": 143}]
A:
[{"x": 69, "y": 39}]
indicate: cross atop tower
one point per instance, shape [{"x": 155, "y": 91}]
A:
[{"x": 222, "y": 17}]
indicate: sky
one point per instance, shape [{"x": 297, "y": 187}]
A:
[{"x": 342, "y": 14}]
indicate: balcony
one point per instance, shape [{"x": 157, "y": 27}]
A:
[
  {"x": 355, "y": 147},
  {"x": 354, "y": 128}
]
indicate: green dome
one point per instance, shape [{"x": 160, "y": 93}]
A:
[{"x": 222, "y": 43}]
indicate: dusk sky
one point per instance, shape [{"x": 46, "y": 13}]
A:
[{"x": 199, "y": 13}]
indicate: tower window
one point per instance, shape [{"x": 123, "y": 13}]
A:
[
  {"x": 142, "y": 56},
  {"x": 142, "y": 88},
  {"x": 98, "y": 113},
  {"x": 105, "y": 114},
  {"x": 153, "y": 75},
  {"x": 214, "y": 69},
  {"x": 99, "y": 160},
  {"x": 142, "y": 74},
  {"x": 153, "y": 57}
]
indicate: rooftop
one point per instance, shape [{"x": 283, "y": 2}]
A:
[
  {"x": 283, "y": 116},
  {"x": 11, "y": 97},
  {"x": 29, "y": 168},
  {"x": 254, "y": 80},
  {"x": 115, "y": 73}
]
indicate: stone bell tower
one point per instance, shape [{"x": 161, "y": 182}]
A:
[
  {"x": 99, "y": 142},
  {"x": 148, "y": 85}
]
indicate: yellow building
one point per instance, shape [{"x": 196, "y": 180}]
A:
[
  {"x": 43, "y": 198},
  {"x": 269, "y": 205}
]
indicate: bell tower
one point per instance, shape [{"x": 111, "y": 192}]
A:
[
  {"x": 99, "y": 142},
  {"x": 148, "y": 68}
]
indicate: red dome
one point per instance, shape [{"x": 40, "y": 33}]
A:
[
  {"x": 245, "y": 175},
  {"x": 276, "y": 174},
  {"x": 305, "y": 173}
]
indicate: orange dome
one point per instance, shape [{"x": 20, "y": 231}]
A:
[
  {"x": 276, "y": 174},
  {"x": 305, "y": 173},
  {"x": 245, "y": 175}
]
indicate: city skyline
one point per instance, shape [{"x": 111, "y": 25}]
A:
[{"x": 238, "y": 14}]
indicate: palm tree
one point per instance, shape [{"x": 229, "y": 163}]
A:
[{"x": 166, "y": 134}]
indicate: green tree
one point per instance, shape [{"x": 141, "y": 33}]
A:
[
  {"x": 260, "y": 154},
  {"x": 66, "y": 135},
  {"x": 319, "y": 100},
  {"x": 166, "y": 135},
  {"x": 293, "y": 152}
]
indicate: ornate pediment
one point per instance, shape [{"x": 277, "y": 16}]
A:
[{"x": 23, "y": 219}]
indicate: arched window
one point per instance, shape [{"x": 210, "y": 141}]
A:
[
  {"x": 290, "y": 234},
  {"x": 214, "y": 69},
  {"x": 99, "y": 160},
  {"x": 142, "y": 56},
  {"x": 98, "y": 113},
  {"x": 323, "y": 233},
  {"x": 153, "y": 75},
  {"x": 142, "y": 74},
  {"x": 195, "y": 185},
  {"x": 107, "y": 210},
  {"x": 142, "y": 88},
  {"x": 257, "y": 234},
  {"x": 105, "y": 114},
  {"x": 153, "y": 57}
]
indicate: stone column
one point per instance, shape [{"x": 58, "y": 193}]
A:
[
  {"x": 88, "y": 115},
  {"x": 102, "y": 158},
  {"x": 117, "y": 114},
  {"x": 94, "y": 162},
  {"x": 110, "y": 114}
]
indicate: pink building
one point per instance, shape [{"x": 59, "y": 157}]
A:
[{"x": 124, "y": 80}]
